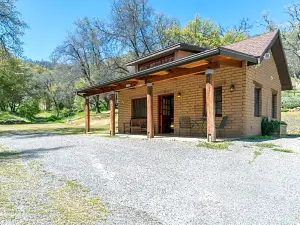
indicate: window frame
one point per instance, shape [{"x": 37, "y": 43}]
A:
[
  {"x": 274, "y": 106},
  {"x": 257, "y": 101},
  {"x": 215, "y": 99},
  {"x": 133, "y": 112}
]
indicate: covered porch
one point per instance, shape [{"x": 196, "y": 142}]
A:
[{"x": 191, "y": 82}]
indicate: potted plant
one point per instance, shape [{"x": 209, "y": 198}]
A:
[
  {"x": 282, "y": 129},
  {"x": 273, "y": 127}
]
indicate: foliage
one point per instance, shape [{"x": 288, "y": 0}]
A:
[
  {"x": 29, "y": 108},
  {"x": 14, "y": 79},
  {"x": 204, "y": 33},
  {"x": 290, "y": 102},
  {"x": 269, "y": 127}
]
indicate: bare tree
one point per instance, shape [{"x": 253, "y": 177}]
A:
[{"x": 11, "y": 28}]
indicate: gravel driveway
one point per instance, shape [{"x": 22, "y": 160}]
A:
[{"x": 173, "y": 182}]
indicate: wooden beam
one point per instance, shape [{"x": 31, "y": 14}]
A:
[
  {"x": 210, "y": 108},
  {"x": 182, "y": 72},
  {"x": 109, "y": 88},
  {"x": 112, "y": 104},
  {"x": 87, "y": 115},
  {"x": 150, "y": 125}
]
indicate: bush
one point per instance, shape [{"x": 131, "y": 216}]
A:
[
  {"x": 290, "y": 102},
  {"x": 269, "y": 127},
  {"x": 67, "y": 113},
  {"x": 29, "y": 109}
]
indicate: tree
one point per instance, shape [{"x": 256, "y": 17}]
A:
[
  {"x": 14, "y": 78},
  {"x": 290, "y": 34},
  {"x": 11, "y": 28},
  {"x": 204, "y": 33}
]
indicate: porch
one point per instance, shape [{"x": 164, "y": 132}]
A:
[{"x": 197, "y": 85}]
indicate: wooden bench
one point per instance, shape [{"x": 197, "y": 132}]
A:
[{"x": 136, "y": 124}]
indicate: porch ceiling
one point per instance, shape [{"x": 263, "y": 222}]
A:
[{"x": 193, "y": 65}]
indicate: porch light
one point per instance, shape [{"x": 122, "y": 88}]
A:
[
  {"x": 209, "y": 71},
  {"x": 232, "y": 87},
  {"x": 128, "y": 85},
  {"x": 179, "y": 94}
]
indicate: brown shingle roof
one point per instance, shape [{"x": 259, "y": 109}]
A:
[{"x": 254, "y": 46}]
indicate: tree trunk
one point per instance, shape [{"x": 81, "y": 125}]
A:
[{"x": 97, "y": 105}]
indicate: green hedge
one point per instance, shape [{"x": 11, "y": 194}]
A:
[{"x": 290, "y": 102}]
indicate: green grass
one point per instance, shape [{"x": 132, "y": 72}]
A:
[
  {"x": 282, "y": 150},
  {"x": 255, "y": 155},
  {"x": 10, "y": 116},
  {"x": 27, "y": 189},
  {"x": 266, "y": 145},
  {"x": 258, "y": 138},
  {"x": 214, "y": 145}
]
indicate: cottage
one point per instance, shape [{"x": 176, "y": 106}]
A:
[{"x": 190, "y": 90}]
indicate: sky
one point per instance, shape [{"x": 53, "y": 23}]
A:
[{"x": 50, "y": 20}]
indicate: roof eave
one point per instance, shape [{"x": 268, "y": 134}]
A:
[{"x": 179, "y": 62}]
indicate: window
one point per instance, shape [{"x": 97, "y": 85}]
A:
[
  {"x": 156, "y": 62},
  {"x": 139, "y": 108},
  {"x": 274, "y": 106},
  {"x": 218, "y": 102},
  {"x": 257, "y": 102}
]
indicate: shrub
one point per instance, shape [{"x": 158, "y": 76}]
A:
[
  {"x": 67, "y": 112},
  {"x": 290, "y": 102},
  {"x": 29, "y": 109},
  {"x": 268, "y": 127}
]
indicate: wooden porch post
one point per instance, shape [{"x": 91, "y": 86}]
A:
[
  {"x": 112, "y": 104},
  {"x": 150, "y": 125},
  {"x": 210, "y": 108},
  {"x": 87, "y": 115}
]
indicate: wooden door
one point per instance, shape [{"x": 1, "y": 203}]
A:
[{"x": 167, "y": 114}]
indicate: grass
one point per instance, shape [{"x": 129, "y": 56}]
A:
[
  {"x": 282, "y": 150},
  {"x": 293, "y": 121},
  {"x": 258, "y": 138},
  {"x": 99, "y": 125},
  {"x": 215, "y": 145},
  {"x": 10, "y": 116},
  {"x": 30, "y": 195},
  {"x": 255, "y": 155},
  {"x": 266, "y": 145}
]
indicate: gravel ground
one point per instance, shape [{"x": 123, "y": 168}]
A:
[{"x": 173, "y": 182}]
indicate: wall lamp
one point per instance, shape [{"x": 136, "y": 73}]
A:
[
  {"x": 232, "y": 87},
  {"x": 209, "y": 71},
  {"x": 179, "y": 94}
]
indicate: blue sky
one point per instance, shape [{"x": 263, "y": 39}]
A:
[{"x": 50, "y": 20}]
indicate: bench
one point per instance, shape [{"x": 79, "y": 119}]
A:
[{"x": 136, "y": 124}]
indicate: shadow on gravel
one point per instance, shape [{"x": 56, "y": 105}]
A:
[{"x": 28, "y": 153}]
